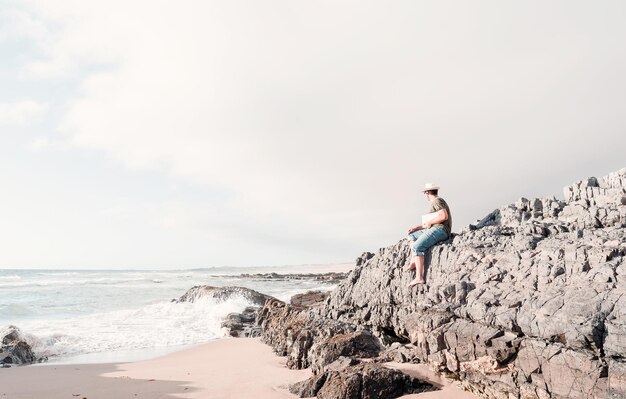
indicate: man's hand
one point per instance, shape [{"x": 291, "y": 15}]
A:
[{"x": 414, "y": 229}]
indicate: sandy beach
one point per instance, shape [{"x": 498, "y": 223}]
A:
[{"x": 223, "y": 369}]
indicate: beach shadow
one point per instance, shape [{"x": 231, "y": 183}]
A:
[{"x": 88, "y": 381}]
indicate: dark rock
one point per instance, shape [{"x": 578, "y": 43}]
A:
[
  {"x": 360, "y": 344},
  {"x": 15, "y": 350},
  {"x": 242, "y": 324},
  {"x": 310, "y": 387},
  {"x": 291, "y": 330},
  {"x": 311, "y": 298},
  {"x": 400, "y": 353},
  {"x": 341, "y": 363},
  {"x": 363, "y": 381},
  {"x": 12, "y": 336},
  {"x": 233, "y": 323}
]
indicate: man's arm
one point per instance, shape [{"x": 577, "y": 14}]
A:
[{"x": 442, "y": 216}]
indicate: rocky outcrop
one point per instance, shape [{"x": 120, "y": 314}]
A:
[
  {"x": 244, "y": 324},
  {"x": 223, "y": 294},
  {"x": 240, "y": 325},
  {"x": 527, "y": 303},
  {"x": 292, "y": 330},
  {"x": 311, "y": 298},
  {"x": 363, "y": 381},
  {"x": 589, "y": 204},
  {"x": 360, "y": 344},
  {"x": 15, "y": 350},
  {"x": 331, "y": 348},
  {"x": 530, "y": 301}
]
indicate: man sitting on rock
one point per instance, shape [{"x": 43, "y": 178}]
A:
[{"x": 432, "y": 231}]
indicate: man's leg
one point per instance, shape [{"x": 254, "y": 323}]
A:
[
  {"x": 419, "y": 272},
  {"x": 413, "y": 237},
  {"x": 421, "y": 245}
]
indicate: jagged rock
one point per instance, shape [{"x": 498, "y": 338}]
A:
[
  {"x": 528, "y": 302},
  {"x": 310, "y": 387},
  {"x": 341, "y": 363},
  {"x": 291, "y": 330},
  {"x": 400, "y": 353},
  {"x": 363, "y": 381},
  {"x": 242, "y": 324},
  {"x": 360, "y": 344},
  {"x": 365, "y": 256},
  {"x": 311, "y": 298},
  {"x": 12, "y": 335},
  {"x": 223, "y": 294},
  {"x": 15, "y": 350}
]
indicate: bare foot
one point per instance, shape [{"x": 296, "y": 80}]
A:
[
  {"x": 411, "y": 266},
  {"x": 416, "y": 282}
]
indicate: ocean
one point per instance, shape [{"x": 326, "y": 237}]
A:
[{"x": 98, "y": 316}]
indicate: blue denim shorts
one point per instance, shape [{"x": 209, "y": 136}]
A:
[{"x": 424, "y": 239}]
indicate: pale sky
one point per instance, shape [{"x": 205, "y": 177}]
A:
[{"x": 161, "y": 134}]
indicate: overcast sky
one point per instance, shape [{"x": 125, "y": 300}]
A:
[{"x": 161, "y": 134}]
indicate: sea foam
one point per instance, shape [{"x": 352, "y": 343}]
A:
[
  {"x": 159, "y": 325},
  {"x": 98, "y": 313}
]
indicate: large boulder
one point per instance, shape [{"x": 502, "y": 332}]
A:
[
  {"x": 223, "y": 294},
  {"x": 310, "y": 298},
  {"x": 242, "y": 324},
  {"x": 360, "y": 344},
  {"x": 292, "y": 330},
  {"x": 363, "y": 381},
  {"x": 15, "y": 350}
]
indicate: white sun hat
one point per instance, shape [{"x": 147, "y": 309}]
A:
[{"x": 430, "y": 186}]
